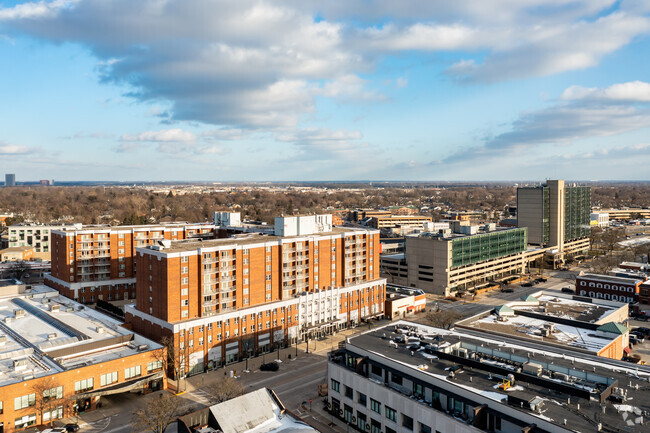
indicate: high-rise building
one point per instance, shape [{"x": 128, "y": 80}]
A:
[
  {"x": 94, "y": 263},
  {"x": 224, "y": 299},
  {"x": 10, "y": 179},
  {"x": 556, "y": 215}
]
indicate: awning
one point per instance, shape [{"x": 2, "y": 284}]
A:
[
  {"x": 410, "y": 308},
  {"x": 121, "y": 387},
  {"x": 627, "y": 350}
]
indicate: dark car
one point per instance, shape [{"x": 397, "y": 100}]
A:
[
  {"x": 638, "y": 336},
  {"x": 270, "y": 366},
  {"x": 527, "y": 285},
  {"x": 642, "y": 330},
  {"x": 71, "y": 427},
  {"x": 507, "y": 290},
  {"x": 567, "y": 290}
]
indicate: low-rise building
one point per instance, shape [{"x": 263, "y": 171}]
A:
[
  {"x": 57, "y": 358},
  {"x": 405, "y": 223},
  {"x": 608, "y": 287},
  {"x": 258, "y": 411},
  {"x": 599, "y": 219},
  {"x": 403, "y": 301},
  {"x": 406, "y": 377},
  {"x": 626, "y": 214},
  {"x": 593, "y": 327},
  {"x": 16, "y": 254}
]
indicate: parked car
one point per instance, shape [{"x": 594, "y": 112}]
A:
[
  {"x": 71, "y": 427},
  {"x": 635, "y": 340},
  {"x": 508, "y": 290},
  {"x": 567, "y": 290},
  {"x": 639, "y": 337},
  {"x": 270, "y": 366},
  {"x": 527, "y": 285},
  {"x": 643, "y": 330}
]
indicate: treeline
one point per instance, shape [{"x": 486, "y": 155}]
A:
[{"x": 119, "y": 205}]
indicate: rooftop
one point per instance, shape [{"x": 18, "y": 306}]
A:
[
  {"x": 609, "y": 278},
  {"x": 49, "y": 333},
  {"x": 567, "y": 308},
  {"x": 563, "y": 381},
  {"x": 247, "y": 239},
  {"x": 451, "y": 236}
]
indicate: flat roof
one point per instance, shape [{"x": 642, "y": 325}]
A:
[
  {"x": 556, "y": 306},
  {"x": 451, "y": 236},
  {"x": 48, "y": 333},
  {"x": 608, "y": 278},
  {"x": 583, "y": 375},
  {"x": 248, "y": 239},
  {"x": 16, "y": 249}
]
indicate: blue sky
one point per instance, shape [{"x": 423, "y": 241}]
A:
[{"x": 342, "y": 90}]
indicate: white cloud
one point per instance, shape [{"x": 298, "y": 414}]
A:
[
  {"x": 322, "y": 144},
  {"x": 35, "y": 10},
  {"x": 165, "y": 136},
  {"x": 633, "y": 91},
  {"x": 14, "y": 149}
]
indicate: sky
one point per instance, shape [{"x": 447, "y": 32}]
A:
[{"x": 304, "y": 90}]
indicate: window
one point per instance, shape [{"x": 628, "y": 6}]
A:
[
  {"x": 84, "y": 385},
  {"x": 184, "y": 259},
  {"x": 336, "y": 385},
  {"x": 424, "y": 428},
  {"x": 185, "y": 280},
  {"x": 349, "y": 393},
  {"x": 362, "y": 399},
  {"x": 185, "y": 270},
  {"x": 108, "y": 378},
  {"x": 390, "y": 430},
  {"x": 185, "y": 302},
  {"x": 25, "y": 421},
  {"x": 391, "y": 414},
  {"x": 407, "y": 422},
  {"x": 184, "y": 292},
  {"x": 397, "y": 380},
  {"x": 132, "y": 372},
  {"x": 55, "y": 413},
  {"x": 53, "y": 393},
  {"x": 24, "y": 401},
  {"x": 375, "y": 406},
  {"x": 361, "y": 421},
  {"x": 375, "y": 426},
  {"x": 153, "y": 366}
]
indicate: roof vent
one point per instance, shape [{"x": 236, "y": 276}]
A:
[
  {"x": 100, "y": 329},
  {"x": 51, "y": 336},
  {"x": 19, "y": 313},
  {"x": 142, "y": 347},
  {"x": 55, "y": 307},
  {"x": 20, "y": 364}
]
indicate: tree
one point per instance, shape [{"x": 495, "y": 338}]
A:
[
  {"x": 157, "y": 414},
  {"x": 225, "y": 389},
  {"x": 48, "y": 396},
  {"x": 443, "y": 318}
]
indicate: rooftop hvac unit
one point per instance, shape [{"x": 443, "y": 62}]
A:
[
  {"x": 51, "y": 336},
  {"x": 142, "y": 347},
  {"x": 100, "y": 329},
  {"x": 9, "y": 319},
  {"x": 545, "y": 332},
  {"x": 532, "y": 368},
  {"x": 550, "y": 326},
  {"x": 3, "y": 339},
  {"x": 19, "y": 313},
  {"x": 55, "y": 307},
  {"x": 20, "y": 364},
  {"x": 69, "y": 309}
]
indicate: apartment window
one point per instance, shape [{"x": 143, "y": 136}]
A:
[
  {"x": 185, "y": 302},
  {"x": 200, "y": 341},
  {"x": 407, "y": 422},
  {"x": 268, "y": 278},
  {"x": 348, "y": 392},
  {"x": 184, "y": 259},
  {"x": 185, "y": 313},
  {"x": 185, "y": 269},
  {"x": 184, "y": 292},
  {"x": 209, "y": 338},
  {"x": 84, "y": 385},
  {"x": 424, "y": 428},
  {"x": 24, "y": 401},
  {"x": 120, "y": 251},
  {"x": 268, "y": 268},
  {"x": 108, "y": 378},
  {"x": 336, "y": 385},
  {"x": 245, "y": 251},
  {"x": 154, "y": 366},
  {"x": 120, "y": 243},
  {"x": 362, "y": 399},
  {"x": 245, "y": 261},
  {"x": 25, "y": 421},
  {"x": 391, "y": 414},
  {"x": 132, "y": 372},
  {"x": 185, "y": 280},
  {"x": 375, "y": 406},
  {"x": 375, "y": 426}
]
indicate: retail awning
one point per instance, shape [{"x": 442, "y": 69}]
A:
[
  {"x": 627, "y": 350},
  {"x": 121, "y": 387}
]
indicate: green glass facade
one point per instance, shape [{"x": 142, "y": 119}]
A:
[
  {"x": 577, "y": 212},
  {"x": 477, "y": 248}
]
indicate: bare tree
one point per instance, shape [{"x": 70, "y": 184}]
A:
[
  {"x": 225, "y": 389},
  {"x": 443, "y": 318},
  {"x": 48, "y": 396},
  {"x": 157, "y": 414}
]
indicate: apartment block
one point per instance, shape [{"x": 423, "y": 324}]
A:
[
  {"x": 393, "y": 221},
  {"x": 37, "y": 236},
  {"x": 98, "y": 262},
  {"x": 59, "y": 358},
  {"x": 225, "y": 299},
  {"x": 622, "y": 289}
]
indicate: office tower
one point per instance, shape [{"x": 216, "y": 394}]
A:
[{"x": 10, "y": 179}]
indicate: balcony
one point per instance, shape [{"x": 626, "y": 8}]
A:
[
  {"x": 288, "y": 268},
  {"x": 227, "y": 279},
  {"x": 288, "y": 250},
  {"x": 210, "y": 260},
  {"x": 211, "y": 302},
  {"x": 302, "y": 267},
  {"x": 209, "y": 271},
  {"x": 228, "y": 268},
  {"x": 210, "y": 291},
  {"x": 227, "y": 258},
  {"x": 230, "y": 289}
]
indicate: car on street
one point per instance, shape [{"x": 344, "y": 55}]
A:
[
  {"x": 270, "y": 366},
  {"x": 567, "y": 290},
  {"x": 507, "y": 290},
  {"x": 643, "y": 330},
  {"x": 635, "y": 340},
  {"x": 639, "y": 337},
  {"x": 71, "y": 427},
  {"x": 527, "y": 285}
]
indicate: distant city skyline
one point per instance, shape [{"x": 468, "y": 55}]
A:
[{"x": 311, "y": 91}]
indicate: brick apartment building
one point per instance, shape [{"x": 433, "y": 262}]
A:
[
  {"x": 98, "y": 262},
  {"x": 621, "y": 289},
  {"x": 58, "y": 358},
  {"x": 225, "y": 299}
]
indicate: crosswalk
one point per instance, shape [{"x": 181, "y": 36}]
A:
[{"x": 200, "y": 396}]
